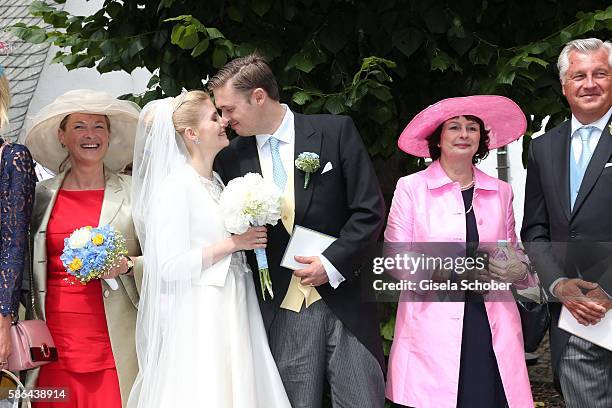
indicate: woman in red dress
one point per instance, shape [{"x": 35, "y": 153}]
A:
[{"x": 85, "y": 137}]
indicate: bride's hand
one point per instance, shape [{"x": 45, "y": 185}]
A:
[{"x": 254, "y": 237}]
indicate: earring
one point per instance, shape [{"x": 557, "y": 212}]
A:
[
  {"x": 196, "y": 140},
  {"x": 63, "y": 145}
]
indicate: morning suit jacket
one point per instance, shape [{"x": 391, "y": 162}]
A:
[
  {"x": 563, "y": 242},
  {"x": 345, "y": 202},
  {"x": 120, "y": 305}
]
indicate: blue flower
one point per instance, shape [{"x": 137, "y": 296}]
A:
[{"x": 96, "y": 259}]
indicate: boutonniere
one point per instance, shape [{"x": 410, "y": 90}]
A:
[
  {"x": 610, "y": 128},
  {"x": 308, "y": 162}
]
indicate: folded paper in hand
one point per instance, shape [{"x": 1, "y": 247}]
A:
[
  {"x": 304, "y": 242},
  {"x": 600, "y": 333}
]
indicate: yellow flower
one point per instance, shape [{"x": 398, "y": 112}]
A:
[
  {"x": 97, "y": 239},
  {"x": 76, "y": 264}
]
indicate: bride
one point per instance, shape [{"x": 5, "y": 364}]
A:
[{"x": 200, "y": 337}]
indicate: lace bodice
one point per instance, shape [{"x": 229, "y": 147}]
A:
[
  {"x": 214, "y": 186},
  {"x": 16, "y": 201}
]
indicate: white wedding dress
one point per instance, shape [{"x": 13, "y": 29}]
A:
[{"x": 200, "y": 336}]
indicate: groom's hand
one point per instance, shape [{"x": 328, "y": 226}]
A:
[
  {"x": 600, "y": 297},
  {"x": 314, "y": 274}
]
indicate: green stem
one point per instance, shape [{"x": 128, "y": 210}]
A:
[
  {"x": 262, "y": 283},
  {"x": 266, "y": 283},
  {"x": 269, "y": 284}
]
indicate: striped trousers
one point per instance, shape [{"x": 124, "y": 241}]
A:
[
  {"x": 585, "y": 374},
  {"x": 313, "y": 346}
]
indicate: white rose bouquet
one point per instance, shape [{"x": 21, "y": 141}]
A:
[{"x": 250, "y": 201}]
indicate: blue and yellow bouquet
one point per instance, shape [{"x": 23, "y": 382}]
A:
[{"x": 90, "y": 252}]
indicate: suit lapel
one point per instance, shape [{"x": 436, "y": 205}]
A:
[
  {"x": 43, "y": 205},
  {"x": 248, "y": 156},
  {"x": 45, "y": 200},
  {"x": 600, "y": 157},
  {"x": 560, "y": 148},
  {"x": 307, "y": 139},
  {"x": 113, "y": 199}
]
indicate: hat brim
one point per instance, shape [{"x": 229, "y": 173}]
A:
[
  {"x": 503, "y": 118},
  {"x": 42, "y": 140}
]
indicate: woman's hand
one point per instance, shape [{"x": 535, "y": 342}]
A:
[
  {"x": 5, "y": 340},
  {"x": 120, "y": 268},
  {"x": 254, "y": 237},
  {"x": 508, "y": 271}
]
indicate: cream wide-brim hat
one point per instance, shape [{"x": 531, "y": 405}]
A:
[{"x": 41, "y": 135}]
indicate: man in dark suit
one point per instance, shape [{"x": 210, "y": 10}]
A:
[
  {"x": 567, "y": 225},
  {"x": 318, "y": 325}
]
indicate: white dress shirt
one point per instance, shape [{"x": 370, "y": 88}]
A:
[
  {"x": 577, "y": 148},
  {"x": 595, "y": 135},
  {"x": 286, "y": 148}
]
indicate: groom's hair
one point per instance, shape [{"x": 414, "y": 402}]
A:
[{"x": 247, "y": 73}]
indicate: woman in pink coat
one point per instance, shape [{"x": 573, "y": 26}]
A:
[{"x": 466, "y": 353}]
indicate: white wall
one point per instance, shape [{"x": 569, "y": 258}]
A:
[{"x": 517, "y": 174}]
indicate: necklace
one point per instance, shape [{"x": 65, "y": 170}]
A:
[
  {"x": 472, "y": 203},
  {"x": 471, "y": 206},
  {"x": 468, "y": 186}
]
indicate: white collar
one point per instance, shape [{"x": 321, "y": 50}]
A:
[
  {"x": 599, "y": 123},
  {"x": 284, "y": 133}
]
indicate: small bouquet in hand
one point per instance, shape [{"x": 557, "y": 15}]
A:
[
  {"x": 90, "y": 252},
  {"x": 250, "y": 201}
]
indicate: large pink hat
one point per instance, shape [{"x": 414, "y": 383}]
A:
[{"x": 502, "y": 117}]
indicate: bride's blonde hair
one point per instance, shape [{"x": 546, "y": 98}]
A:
[
  {"x": 187, "y": 107},
  {"x": 5, "y": 100}
]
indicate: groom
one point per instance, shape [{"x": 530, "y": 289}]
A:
[{"x": 318, "y": 326}]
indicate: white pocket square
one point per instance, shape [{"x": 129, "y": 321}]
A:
[
  {"x": 607, "y": 165},
  {"x": 327, "y": 168}
]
